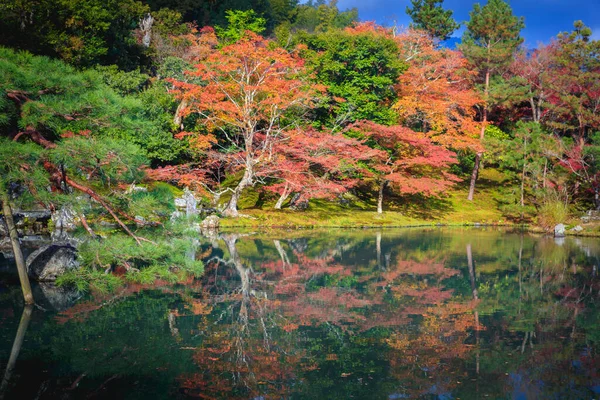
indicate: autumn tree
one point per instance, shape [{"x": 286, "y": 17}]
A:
[
  {"x": 429, "y": 16},
  {"x": 246, "y": 91},
  {"x": 412, "y": 162},
  {"x": 316, "y": 164},
  {"x": 536, "y": 71},
  {"x": 575, "y": 90},
  {"x": 489, "y": 43},
  {"x": 436, "y": 94}
]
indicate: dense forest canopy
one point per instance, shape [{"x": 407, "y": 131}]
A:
[{"x": 294, "y": 101}]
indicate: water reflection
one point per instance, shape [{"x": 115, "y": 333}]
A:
[{"x": 363, "y": 314}]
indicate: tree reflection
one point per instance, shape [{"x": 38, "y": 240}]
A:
[{"x": 364, "y": 314}]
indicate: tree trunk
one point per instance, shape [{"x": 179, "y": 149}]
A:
[
  {"x": 232, "y": 206},
  {"x": 474, "y": 176},
  {"x": 380, "y": 197},
  {"x": 472, "y": 272},
  {"x": 523, "y": 176},
  {"x": 545, "y": 173},
  {"x": 481, "y": 135},
  {"x": 283, "y": 197},
  {"x": 16, "y": 245},
  {"x": 378, "y": 246}
]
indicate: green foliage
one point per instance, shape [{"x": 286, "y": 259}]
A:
[
  {"x": 169, "y": 22},
  {"x": 321, "y": 17},
  {"x": 105, "y": 159},
  {"x": 81, "y": 32},
  {"x": 238, "y": 23},
  {"x": 155, "y": 204},
  {"x": 21, "y": 172},
  {"x": 492, "y": 35},
  {"x": 124, "y": 83},
  {"x": 429, "y": 15},
  {"x": 89, "y": 280},
  {"x": 63, "y": 101},
  {"x": 169, "y": 258},
  {"x": 552, "y": 212},
  {"x": 359, "y": 70}
]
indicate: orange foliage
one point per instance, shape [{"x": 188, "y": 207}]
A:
[{"x": 437, "y": 92}]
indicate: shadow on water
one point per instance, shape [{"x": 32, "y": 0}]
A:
[{"x": 427, "y": 313}]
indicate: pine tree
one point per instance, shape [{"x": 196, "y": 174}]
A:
[
  {"x": 489, "y": 43},
  {"x": 429, "y": 15}
]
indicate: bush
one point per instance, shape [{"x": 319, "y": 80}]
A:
[{"x": 552, "y": 212}]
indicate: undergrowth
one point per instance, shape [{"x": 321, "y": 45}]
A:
[{"x": 107, "y": 263}]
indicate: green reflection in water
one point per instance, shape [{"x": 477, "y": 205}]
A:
[{"x": 437, "y": 313}]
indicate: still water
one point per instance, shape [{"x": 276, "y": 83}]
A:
[{"x": 391, "y": 314}]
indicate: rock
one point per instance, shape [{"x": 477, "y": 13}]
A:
[
  {"x": 578, "y": 228},
  {"x": 64, "y": 221},
  {"x": 191, "y": 204},
  {"x": 591, "y": 215},
  {"x": 56, "y": 298},
  {"x": 140, "y": 221},
  {"x": 559, "y": 230},
  {"x": 133, "y": 188},
  {"x": 49, "y": 262},
  {"x": 3, "y": 228},
  {"x": 210, "y": 223},
  {"x": 180, "y": 202},
  {"x": 177, "y": 215}
]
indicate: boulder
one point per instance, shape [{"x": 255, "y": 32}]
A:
[
  {"x": 578, "y": 228},
  {"x": 210, "y": 223},
  {"x": 49, "y": 262},
  {"x": 3, "y": 228},
  {"x": 191, "y": 204},
  {"x": 559, "y": 230}
]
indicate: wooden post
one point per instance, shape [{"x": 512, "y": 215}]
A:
[{"x": 16, "y": 348}]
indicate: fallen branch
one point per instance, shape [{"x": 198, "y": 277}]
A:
[{"x": 99, "y": 199}]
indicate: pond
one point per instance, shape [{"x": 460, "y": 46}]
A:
[{"x": 365, "y": 314}]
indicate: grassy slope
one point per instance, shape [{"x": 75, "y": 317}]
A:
[{"x": 452, "y": 209}]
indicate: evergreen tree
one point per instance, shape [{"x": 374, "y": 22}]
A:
[
  {"x": 489, "y": 43},
  {"x": 429, "y": 15}
]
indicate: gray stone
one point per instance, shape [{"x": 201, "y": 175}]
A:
[
  {"x": 3, "y": 228},
  {"x": 578, "y": 228},
  {"x": 559, "y": 230},
  {"x": 57, "y": 298},
  {"x": 177, "y": 215},
  {"x": 191, "y": 204},
  {"x": 134, "y": 188},
  {"x": 140, "y": 221},
  {"x": 64, "y": 221},
  {"x": 210, "y": 223},
  {"x": 37, "y": 215},
  {"x": 591, "y": 215},
  {"x": 49, "y": 262},
  {"x": 180, "y": 202}
]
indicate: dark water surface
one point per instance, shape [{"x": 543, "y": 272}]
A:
[{"x": 392, "y": 314}]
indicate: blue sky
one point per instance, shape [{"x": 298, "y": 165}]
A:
[{"x": 543, "y": 18}]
